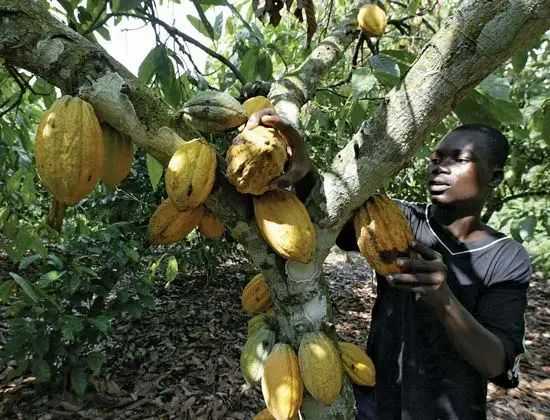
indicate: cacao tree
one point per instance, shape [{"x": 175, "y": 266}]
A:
[{"x": 391, "y": 102}]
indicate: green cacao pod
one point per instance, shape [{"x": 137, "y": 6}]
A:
[
  {"x": 69, "y": 149},
  {"x": 210, "y": 227},
  {"x": 190, "y": 174},
  {"x": 118, "y": 156},
  {"x": 383, "y": 233},
  {"x": 213, "y": 111},
  {"x": 321, "y": 367},
  {"x": 372, "y": 20},
  {"x": 285, "y": 225},
  {"x": 255, "y": 159},
  {"x": 357, "y": 364},
  {"x": 169, "y": 225},
  {"x": 256, "y": 297},
  {"x": 254, "y": 354},
  {"x": 282, "y": 386},
  {"x": 262, "y": 320}
]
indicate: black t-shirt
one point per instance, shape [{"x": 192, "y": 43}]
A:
[{"x": 419, "y": 375}]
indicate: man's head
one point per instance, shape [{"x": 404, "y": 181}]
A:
[{"x": 466, "y": 165}]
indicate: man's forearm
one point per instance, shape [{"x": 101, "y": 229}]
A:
[{"x": 477, "y": 345}]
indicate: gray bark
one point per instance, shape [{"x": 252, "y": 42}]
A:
[{"x": 470, "y": 45}]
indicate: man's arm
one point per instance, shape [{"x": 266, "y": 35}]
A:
[{"x": 427, "y": 276}]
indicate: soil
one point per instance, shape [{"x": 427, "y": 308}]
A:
[{"x": 181, "y": 359}]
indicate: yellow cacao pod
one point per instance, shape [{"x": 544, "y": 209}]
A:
[
  {"x": 69, "y": 149},
  {"x": 118, "y": 156},
  {"x": 255, "y": 104},
  {"x": 285, "y": 225},
  {"x": 254, "y": 354},
  {"x": 256, "y": 297},
  {"x": 282, "y": 386},
  {"x": 255, "y": 159},
  {"x": 261, "y": 320},
  {"x": 168, "y": 225},
  {"x": 213, "y": 111},
  {"x": 190, "y": 174},
  {"x": 383, "y": 233},
  {"x": 210, "y": 227},
  {"x": 357, "y": 364},
  {"x": 266, "y": 415},
  {"x": 321, "y": 367},
  {"x": 372, "y": 19}
]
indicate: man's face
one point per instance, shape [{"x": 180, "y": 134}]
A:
[{"x": 459, "y": 170}]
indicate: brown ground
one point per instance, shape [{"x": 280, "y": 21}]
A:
[{"x": 181, "y": 360}]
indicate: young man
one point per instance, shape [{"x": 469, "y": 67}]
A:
[{"x": 453, "y": 317}]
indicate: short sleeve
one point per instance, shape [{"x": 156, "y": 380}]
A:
[{"x": 501, "y": 310}]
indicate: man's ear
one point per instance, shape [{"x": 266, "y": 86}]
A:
[{"x": 498, "y": 176}]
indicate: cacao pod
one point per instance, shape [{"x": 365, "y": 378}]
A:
[
  {"x": 282, "y": 386},
  {"x": 256, "y": 297},
  {"x": 69, "y": 149},
  {"x": 190, "y": 174},
  {"x": 212, "y": 111},
  {"x": 254, "y": 354},
  {"x": 262, "y": 320},
  {"x": 255, "y": 104},
  {"x": 118, "y": 156},
  {"x": 255, "y": 159},
  {"x": 168, "y": 225},
  {"x": 357, "y": 364},
  {"x": 372, "y": 19},
  {"x": 210, "y": 227},
  {"x": 285, "y": 225},
  {"x": 320, "y": 366},
  {"x": 383, "y": 233},
  {"x": 266, "y": 415}
]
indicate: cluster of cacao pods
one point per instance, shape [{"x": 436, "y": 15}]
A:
[
  {"x": 189, "y": 181},
  {"x": 74, "y": 151},
  {"x": 383, "y": 233},
  {"x": 318, "y": 367}
]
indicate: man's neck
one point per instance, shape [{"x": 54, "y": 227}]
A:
[{"x": 464, "y": 224}]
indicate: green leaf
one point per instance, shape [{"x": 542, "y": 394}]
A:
[
  {"x": 362, "y": 82},
  {"x": 124, "y": 5},
  {"x": 28, "y": 261},
  {"x": 152, "y": 61},
  {"x": 198, "y": 25},
  {"x": 6, "y": 289},
  {"x": 385, "y": 69},
  {"x": 95, "y": 361},
  {"x": 104, "y": 32},
  {"x": 48, "y": 278},
  {"x": 496, "y": 87},
  {"x": 26, "y": 286},
  {"x": 79, "y": 380},
  {"x": 171, "y": 270},
  {"x": 154, "y": 169},
  {"x": 70, "y": 327},
  {"x": 265, "y": 67},
  {"x": 102, "y": 323},
  {"x": 248, "y": 65},
  {"x": 218, "y": 26},
  {"x": 519, "y": 60},
  {"x": 527, "y": 227},
  {"x": 473, "y": 109},
  {"x": 41, "y": 370}
]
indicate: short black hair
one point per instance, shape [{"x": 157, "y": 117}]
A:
[{"x": 496, "y": 142}]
